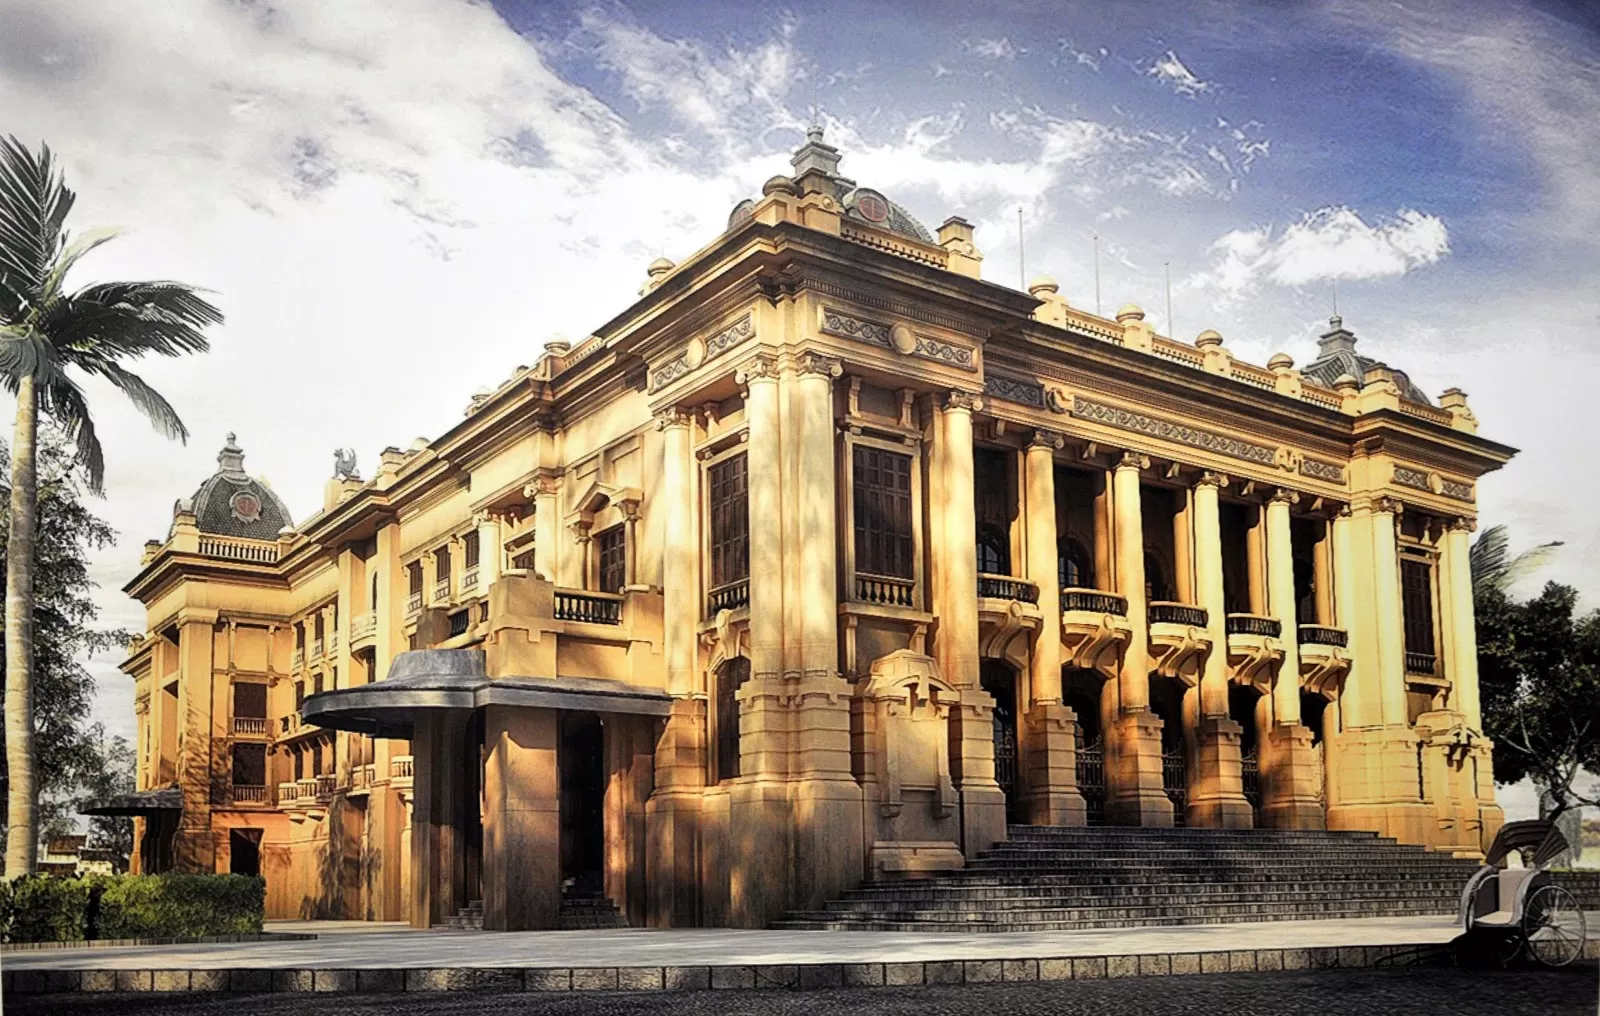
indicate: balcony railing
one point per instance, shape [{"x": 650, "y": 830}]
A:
[
  {"x": 1322, "y": 635},
  {"x": 413, "y": 604},
  {"x": 299, "y": 658},
  {"x": 441, "y": 590},
  {"x": 250, "y": 726},
  {"x": 1422, "y": 663},
  {"x": 333, "y": 643},
  {"x": 244, "y": 793},
  {"x": 363, "y": 625},
  {"x": 884, "y": 589},
  {"x": 361, "y": 777},
  {"x": 1004, "y": 587},
  {"x": 316, "y": 649},
  {"x": 460, "y": 621},
  {"x": 289, "y": 724},
  {"x": 1254, "y": 624},
  {"x": 287, "y": 793},
  {"x": 239, "y": 549},
  {"x": 729, "y": 596},
  {"x": 400, "y": 770},
  {"x": 1166, "y": 612},
  {"x": 590, "y": 608},
  {"x": 305, "y": 789},
  {"x": 469, "y": 579},
  {"x": 326, "y": 784},
  {"x": 1094, "y": 600}
]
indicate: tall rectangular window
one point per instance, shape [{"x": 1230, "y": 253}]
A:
[
  {"x": 613, "y": 549},
  {"x": 441, "y": 566},
  {"x": 249, "y": 765},
  {"x": 469, "y": 550},
  {"x": 881, "y": 496},
  {"x": 1416, "y": 601},
  {"x": 414, "y": 578},
  {"x": 730, "y": 521},
  {"x": 250, "y": 699}
]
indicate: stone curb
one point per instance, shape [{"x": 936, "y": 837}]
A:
[
  {"x": 395, "y": 980},
  {"x": 110, "y": 943}
]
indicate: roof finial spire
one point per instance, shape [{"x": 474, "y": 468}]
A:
[{"x": 230, "y": 460}]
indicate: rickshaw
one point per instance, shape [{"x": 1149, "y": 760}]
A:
[{"x": 1510, "y": 911}]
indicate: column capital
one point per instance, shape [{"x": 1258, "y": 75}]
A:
[
  {"x": 1463, "y": 524},
  {"x": 1132, "y": 460},
  {"x": 815, "y": 364},
  {"x": 671, "y": 416},
  {"x": 1388, "y": 505},
  {"x": 1344, "y": 512},
  {"x": 1284, "y": 496},
  {"x": 758, "y": 368},
  {"x": 1050, "y": 440},
  {"x": 959, "y": 400},
  {"x": 1210, "y": 478}
]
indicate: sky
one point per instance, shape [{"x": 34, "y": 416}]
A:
[{"x": 398, "y": 202}]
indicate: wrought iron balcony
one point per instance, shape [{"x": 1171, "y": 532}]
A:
[
  {"x": 1004, "y": 587},
  {"x": 884, "y": 589},
  {"x": 1094, "y": 600},
  {"x": 1323, "y": 635},
  {"x": 729, "y": 596},
  {"x": 1254, "y": 624},
  {"x": 1166, "y": 612},
  {"x": 250, "y": 726},
  {"x": 589, "y": 608}
]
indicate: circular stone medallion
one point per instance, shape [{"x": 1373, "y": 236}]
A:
[
  {"x": 872, "y": 207},
  {"x": 246, "y": 506}
]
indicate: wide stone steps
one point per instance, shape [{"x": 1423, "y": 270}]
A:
[{"x": 1054, "y": 878}]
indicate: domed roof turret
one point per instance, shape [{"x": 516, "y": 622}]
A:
[
  {"x": 1337, "y": 357},
  {"x": 233, "y": 503}
]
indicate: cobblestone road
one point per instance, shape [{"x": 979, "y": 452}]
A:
[{"x": 1421, "y": 992}]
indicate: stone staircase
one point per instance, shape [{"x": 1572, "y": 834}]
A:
[
  {"x": 1047, "y": 878},
  {"x": 578, "y": 911}
]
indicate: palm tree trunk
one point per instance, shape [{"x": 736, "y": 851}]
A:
[{"x": 22, "y": 790}]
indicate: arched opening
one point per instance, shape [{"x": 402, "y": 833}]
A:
[
  {"x": 731, "y": 674},
  {"x": 994, "y": 549},
  {"x": 1157, "y": 576},
  {"x": 1082, "y": 691},
  {"x": 1074, "y": 564},
  {"x": 580, "y": 754},
  {"x": 1166, "y": 701},
  {"x": 244, "y": 851},
  {"x": 1242, "y": 706},
  {"x": 1314, "y": 716},
  {"x": 1000, "y": 681}
]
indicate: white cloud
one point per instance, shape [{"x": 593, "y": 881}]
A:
[
  {"x": 991, "y": 49},
  {"x": 1328, "y": 244},
  {"x": 1085, "y": 58},
  {"x": 1173, "y": 73}
]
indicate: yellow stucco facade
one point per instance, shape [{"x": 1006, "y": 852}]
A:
[{"x": 822, "y": 561}]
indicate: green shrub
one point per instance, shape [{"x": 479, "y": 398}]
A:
[
  {"x": 47, "y": 908},
  {"x": 43, "y": 908},
  {"x": 179, "y": 906}
]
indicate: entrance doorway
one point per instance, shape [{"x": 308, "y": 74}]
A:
[
  {"x": 581, "y": 757},
  {"x": 1166, "y": 701},
  {"x": 244, "y": 851},
  {"x": 1082, "y": 690},
  {"x": 1314, "y": 715},
  {"x": 1000, "y": 681},
  {"x": 1243, "y": 702}
]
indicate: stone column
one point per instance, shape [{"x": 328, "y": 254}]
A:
[
  {"x": 521, "y": 820},
  {"x": 546, "y": 489},
  {"x": 828, "y": 845},
  {"x": 1289, "y": 798},
  {"x": 1134, "y": 794},
  {"x": 1216, "y": 791},
  {"x": 672, "y": 812},
  {"x": 759, "y": 812},
  {"x": 194, "y": 847},
  {"x": 1462, "y": 630},
  {"x": 490, "y": 559},
  {"x": 955, "y": 542},
  {"x": 1049, "y": 744}
]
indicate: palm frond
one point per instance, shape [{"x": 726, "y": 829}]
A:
[
  {"x": 24, "y": 352},
  {"x": 131, "y": 319},
  {"x": 1490, "y": 554},
  {"x": 14, "y": 303},
  {"x": 73, "y": 252},
  {"x": 64, "y": 403},
  {"x": 146, "y": 399},
  {"x": 34, "y": 202}
]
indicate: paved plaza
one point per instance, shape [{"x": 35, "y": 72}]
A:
[{"x": 1442, "y": 991}]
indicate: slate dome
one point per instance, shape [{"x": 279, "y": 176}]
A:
[{"x": 233, "y": 503}]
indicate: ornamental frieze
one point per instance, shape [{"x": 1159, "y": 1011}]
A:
[
  {"x": 1413, "y": 478},
  {"x": 1456, "y": 489},
  {"x": 1014, "y": 389},
  {"x": 896, "y": 338},
  {"x": 1170, "y": 430},
  {"x": 698, "y": 351},
  {"x": 1319, "y": 470}
]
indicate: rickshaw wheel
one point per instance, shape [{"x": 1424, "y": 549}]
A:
[{"x": 1553, "y": 926}]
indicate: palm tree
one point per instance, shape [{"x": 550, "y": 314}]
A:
[
  {"x": 44, "y": 330},
  {"x": 1493, "y": 567}
]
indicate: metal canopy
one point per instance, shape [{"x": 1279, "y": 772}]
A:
[
  {"x": 456, "y": 679},
  {"x": 143, "y": 802}
]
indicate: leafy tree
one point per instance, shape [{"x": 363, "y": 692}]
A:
[
  {"x": 75, "y": 759},
  {"x": 1538, "y": 675},
  {"x": 45, "y": 330}
]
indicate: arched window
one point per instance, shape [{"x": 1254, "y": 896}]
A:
[
  {"x": 730, "y": 675},
  {"x": 1073, "y": 565},
  {"x": 1157, "y": 580},
  {"x": 994, "y": 549}
]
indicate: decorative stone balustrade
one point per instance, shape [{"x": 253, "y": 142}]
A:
[
  {"x": 1179, "y": 640},
  {"x": 587, "y": 607},
  {"x": 1094, "y": 630},
  {"x": 1004, "y": 587}
]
